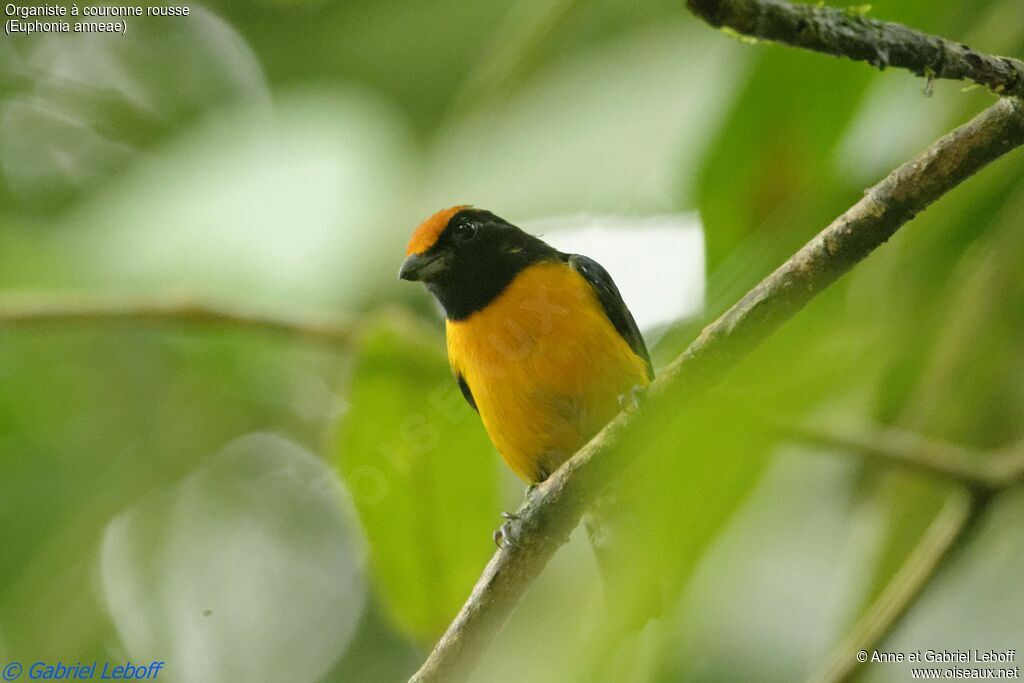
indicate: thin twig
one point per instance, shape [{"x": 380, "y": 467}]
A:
[
  {"x": 978, "y": 471},
  {"x": 557, "y": 505},
  {"x": 524, "y": 30},
  {"x": 848, "y": 33},
  {"x": 956, "y": 516},
  {"x": 1007, "y": 468},
  {"x": 36, "y": 309}
]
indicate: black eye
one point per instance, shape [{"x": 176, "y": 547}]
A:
[{"x": 465, "y": 231}]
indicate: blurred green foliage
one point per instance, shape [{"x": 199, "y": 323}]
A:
[
  {"x": 279, "y": 153},
  {"x": 410, "y": 451}
]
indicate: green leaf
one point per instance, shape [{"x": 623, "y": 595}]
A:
[{"x": 422, "y": 474}]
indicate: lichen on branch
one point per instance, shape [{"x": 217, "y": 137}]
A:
[{"x": 850, "y": 33}]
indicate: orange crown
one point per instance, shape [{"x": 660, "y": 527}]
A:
[{"x": 426, "y": 234}]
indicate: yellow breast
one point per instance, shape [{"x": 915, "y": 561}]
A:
[{"x": 545, "y": 365}]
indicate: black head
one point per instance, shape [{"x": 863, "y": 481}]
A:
[{"x": 467, "y": 257}]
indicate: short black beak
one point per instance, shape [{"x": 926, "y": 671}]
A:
[{"x": 423, "y": 267}]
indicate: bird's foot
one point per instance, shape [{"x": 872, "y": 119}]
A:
[
  {"x": 632, "y": 399},
  {"x": 505, "y": 534}
]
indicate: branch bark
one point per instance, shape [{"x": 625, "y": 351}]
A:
[
  {"x": 847, "y": 33},
  {"x": 32, "y": 310},
  {"x": 557, "y": 505}
]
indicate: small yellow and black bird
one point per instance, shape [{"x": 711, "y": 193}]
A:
[
  {"x": 540, "y": 342},
  {"x": 543, "y": 347}
]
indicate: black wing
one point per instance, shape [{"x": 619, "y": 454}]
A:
[
  {"x": 466, "y": 392},
  {"x": 614, "y": 306}
]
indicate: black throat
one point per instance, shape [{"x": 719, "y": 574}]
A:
[
  {"x": 472, "y": 289},
  {"x": 483, "y": 267}
]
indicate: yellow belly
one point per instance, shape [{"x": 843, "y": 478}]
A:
[{"x": 545, "y": 365}]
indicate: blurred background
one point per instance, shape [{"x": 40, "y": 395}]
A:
[{"x": 260, "y": 507}]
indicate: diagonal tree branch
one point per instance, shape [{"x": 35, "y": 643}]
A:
[
  {"x": 847, "y": 33},
  {"x": 557, "y": 505},
  {"x": 34, "y": 310}
]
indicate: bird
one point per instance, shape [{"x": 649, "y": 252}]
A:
[
  {"x": 540, "y": 342},
  {"x": 544, "y": 348}
]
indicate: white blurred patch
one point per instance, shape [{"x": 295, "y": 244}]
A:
[
  {"x": 657, "y": 261},
  {"x": 620, "y": 128},
  {"x": 283, "y": 210},
  {"x": 797, "y": 555},
  {"x": 246, "y": 571},
  {"x": 877, "y": 140}
]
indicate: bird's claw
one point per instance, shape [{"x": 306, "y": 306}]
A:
[
  {"x": 503, "y": 535},
  {"x": 632, "y": 399}
]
